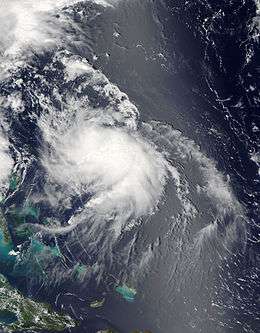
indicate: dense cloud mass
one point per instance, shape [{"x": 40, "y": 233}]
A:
[
  {"x": 97, "y": 192},
  {"x": 124, "y": 175},
  {"x": 6, "y": 162}
]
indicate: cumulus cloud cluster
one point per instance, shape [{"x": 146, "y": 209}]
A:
[
  {"x": 29, "y": 25},
  {"x": 124, "y": 174},
  {"x": 6, "y": 162}
]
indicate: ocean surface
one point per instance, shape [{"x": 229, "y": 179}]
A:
[{"x": 130, "y": 162}]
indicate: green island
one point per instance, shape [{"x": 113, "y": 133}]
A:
[{"x": 18, "y": 313}]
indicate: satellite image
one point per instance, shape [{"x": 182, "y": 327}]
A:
[{"x": 129, "y": 166}]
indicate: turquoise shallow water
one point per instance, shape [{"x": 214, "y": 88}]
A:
[
  {"x": 5, "y": 248},
  {"x": 187, "y": 261}
]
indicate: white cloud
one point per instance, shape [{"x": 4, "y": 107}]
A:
[{"x": 6, "y": 162}]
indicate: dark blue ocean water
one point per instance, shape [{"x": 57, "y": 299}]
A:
[{"x": 190, "y": 65}]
